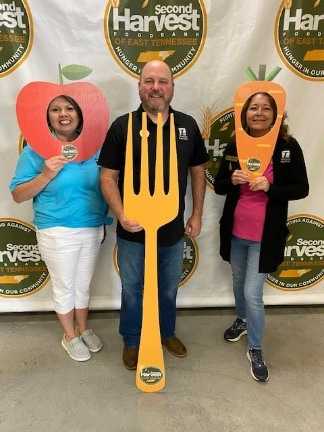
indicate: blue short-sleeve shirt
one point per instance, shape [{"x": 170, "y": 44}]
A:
[{"x": 72, "y": 199}]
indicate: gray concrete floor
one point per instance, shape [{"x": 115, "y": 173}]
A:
[{"x": 43, "y": 390}]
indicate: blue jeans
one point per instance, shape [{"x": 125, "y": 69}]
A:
[
  {"x": 131, "y": 268},
  {"x": 248, "y": 287}
]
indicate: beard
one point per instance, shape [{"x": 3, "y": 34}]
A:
[{"x": 155, "y": 105}]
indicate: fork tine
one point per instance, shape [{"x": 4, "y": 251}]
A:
[
  {"x": 173, "y": 181},
  {"x": 128, "y": 179},
  {"x": 159, "y": 178},
  {"x": 145, "y": 187}
]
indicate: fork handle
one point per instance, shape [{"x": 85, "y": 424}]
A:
[{"x": 150, "y": 374}]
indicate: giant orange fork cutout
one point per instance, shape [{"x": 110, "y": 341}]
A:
[
  {"x": 151, "y": 212},
  {"x": 255, "y": 153}
]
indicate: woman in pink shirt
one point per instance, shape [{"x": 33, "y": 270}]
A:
[{"x": 253, "y": 228}]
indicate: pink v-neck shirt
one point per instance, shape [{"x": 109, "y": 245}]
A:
[{"x": 250, "y": 211}]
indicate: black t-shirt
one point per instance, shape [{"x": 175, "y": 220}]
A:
[{"x": 190, "y": 151}]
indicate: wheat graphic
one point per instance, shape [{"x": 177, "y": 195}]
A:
[
  {"x": 317, "y": 2},
  {"x": 145, "y": 3},
  {"x": 208, "y": 115}
]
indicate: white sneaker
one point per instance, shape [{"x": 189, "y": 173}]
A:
[
  {"x": 76, "y": 349},
  {"x": 91, "y": 340}
]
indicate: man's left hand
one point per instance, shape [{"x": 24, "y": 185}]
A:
[{"x": 193, "y": 226}]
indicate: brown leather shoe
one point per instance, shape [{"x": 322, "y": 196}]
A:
[
  {"x": 175, "y": 346},
  {"x": 130, "y": 357}
]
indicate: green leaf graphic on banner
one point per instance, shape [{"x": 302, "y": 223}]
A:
[{"x": 75, "y": 72}]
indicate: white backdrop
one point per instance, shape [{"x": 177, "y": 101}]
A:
[{"x": 239, "y": 34}]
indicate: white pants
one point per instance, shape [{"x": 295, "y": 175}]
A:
[{"x": 70, "y": 255}]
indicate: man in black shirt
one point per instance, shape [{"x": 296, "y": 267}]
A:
[{"x": 156, "y": 87}]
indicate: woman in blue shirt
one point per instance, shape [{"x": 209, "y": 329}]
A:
[{"x": 69, "y": 213}]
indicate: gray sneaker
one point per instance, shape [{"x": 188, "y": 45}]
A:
[
  {"x": 76, "y": 349},
  {"x": 91, "y": 340}
]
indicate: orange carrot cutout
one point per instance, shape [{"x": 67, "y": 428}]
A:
[
  {"x": 255, "y": 153},
  {"x": 150, "y": 374}
]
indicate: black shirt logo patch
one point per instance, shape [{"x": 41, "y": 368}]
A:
[
  {"x": 285, "y": 156},
  {"x": 183, "y": 134}
]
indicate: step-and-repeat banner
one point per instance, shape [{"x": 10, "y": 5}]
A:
[{"x": 209, "y": 45}]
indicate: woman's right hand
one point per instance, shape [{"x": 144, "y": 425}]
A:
[
  {"x": 130, "y": 225},
  {"x": 30, "y": 189},
  {"x": 239, "y": 177},
  {"x": 53, "y": 166}
]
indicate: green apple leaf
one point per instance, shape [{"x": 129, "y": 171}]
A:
[{"x": 75, "y": 72}]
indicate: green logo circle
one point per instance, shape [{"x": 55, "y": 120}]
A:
[
  {"x": 69, "y": 151},
  {"x": 253, "y": 164},
  {"x": 21, "y": 143},
  {"x": 217, "y": 131},
  {"x": 16, "y": 34},
  {"x": 299, "y": 36},
  {"x": 303, "y": 264},
  {"x": 22, "y": 271},
  {"x": 190, "y": 259},
  {"x": 138, "y": 31},
  {"x": 151, "y": 375}
]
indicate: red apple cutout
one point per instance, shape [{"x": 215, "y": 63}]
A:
[{"x": 31, "y": 107}]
